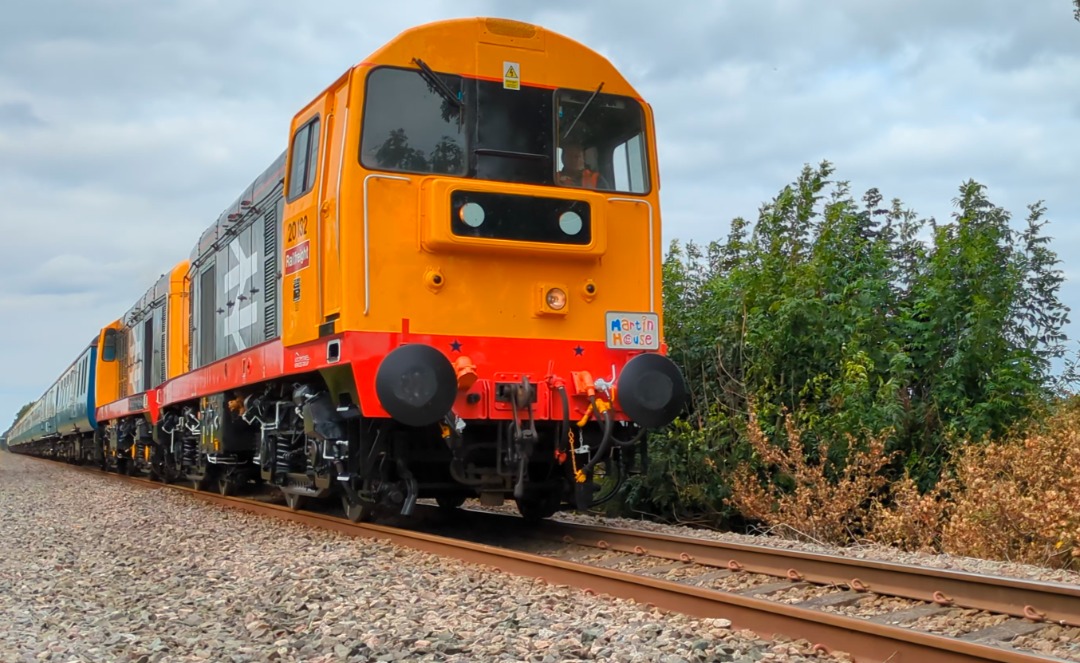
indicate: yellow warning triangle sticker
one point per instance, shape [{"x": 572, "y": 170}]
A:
[{"x": 511, "y": 75}]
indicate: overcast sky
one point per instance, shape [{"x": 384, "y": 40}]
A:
[{"x": 127, "y": 126}]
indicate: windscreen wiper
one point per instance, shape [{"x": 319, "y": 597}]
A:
[
  {"x": 510, "y": 154},
  {"x": 582, "y": 111},
  {"x": 432, "y": 78}
]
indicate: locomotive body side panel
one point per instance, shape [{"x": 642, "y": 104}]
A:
[
  {"x": 232, "y": 286},
  {"x": 238, "y": 265}
]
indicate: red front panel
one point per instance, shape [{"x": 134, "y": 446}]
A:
[{"x": 496, "y": 360}]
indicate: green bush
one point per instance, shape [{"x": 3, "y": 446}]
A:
[{"x": 864, "y": 322}]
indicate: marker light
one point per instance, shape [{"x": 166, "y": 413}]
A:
[
  {"x": 471, "y": 214},
  {"x": 570, "y": 223},
  {"x": 556, "y": 299}
]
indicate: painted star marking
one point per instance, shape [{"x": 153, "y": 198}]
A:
[
  {"x": 578, "y": 351},
  {"x": 455, "y": 346}
]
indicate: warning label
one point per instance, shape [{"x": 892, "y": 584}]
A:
[{"x": 511, "y": 76}]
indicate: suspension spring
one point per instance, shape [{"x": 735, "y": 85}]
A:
[
  {"x": 282, "y": 457},
  {"x": 189, "y": 451}
]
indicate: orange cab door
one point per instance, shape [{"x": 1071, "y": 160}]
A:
[
  {"x": 301, "y": 283},
  {"x": 336, "y": 123}
]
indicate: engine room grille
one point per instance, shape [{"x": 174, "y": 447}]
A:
[
  {"x": 164, "y": 345},
  {"x": 270, "y": 276}
]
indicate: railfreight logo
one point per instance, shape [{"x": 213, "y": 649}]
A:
[
  {"x": 297, "y": 257},
  {"x": 244, "y": 312}
]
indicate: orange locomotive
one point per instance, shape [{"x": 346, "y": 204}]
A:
[{"x": 447, "y": 286}]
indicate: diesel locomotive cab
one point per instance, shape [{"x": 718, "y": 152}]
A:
[
  {"x": 426, "y": 122},
  {"x": 546, "y": 192}
]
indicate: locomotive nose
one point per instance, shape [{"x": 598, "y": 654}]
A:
[
  {"x": 416, "y": 384},
  {"x": 651, "y": 390}
]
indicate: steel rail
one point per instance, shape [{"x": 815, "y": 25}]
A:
[{"x": 1051, "y": 602}]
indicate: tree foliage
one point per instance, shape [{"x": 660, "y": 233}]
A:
[
  {"x": 861, "y": 321},
  {"x": 23, "y": 410}
]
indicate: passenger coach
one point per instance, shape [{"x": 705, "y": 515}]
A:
[{"x": 61, "y": 423}]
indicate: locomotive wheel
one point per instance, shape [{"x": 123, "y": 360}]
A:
[
  {"x": 450, "y": 502},
  {"x": 167, "y": 473},
  {"x": 200, "y": 483},
  {"x": 226, "y": 486},
  {"x": 535, "y": 509}
]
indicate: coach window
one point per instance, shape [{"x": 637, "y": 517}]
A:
[
  {"x": 305, "y": 159},
  {"x": 413, "y": 122},
  {"x": 611, "y": 131}
]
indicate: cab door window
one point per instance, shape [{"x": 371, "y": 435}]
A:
[{"x": 305, "y": 159}]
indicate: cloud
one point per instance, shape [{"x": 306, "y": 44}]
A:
[
  {"x": 19, "y": 115},
  {"x": 127, "y": 126}
]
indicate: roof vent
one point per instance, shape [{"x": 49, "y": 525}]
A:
[{"x": 509, "y": 28}]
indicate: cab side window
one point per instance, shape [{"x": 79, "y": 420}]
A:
[{"x": 305, "y": 157}]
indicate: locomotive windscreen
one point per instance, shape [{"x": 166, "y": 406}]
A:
[
  {"x": 417, "y": 120},
  {"x": 410, "y": 126}
]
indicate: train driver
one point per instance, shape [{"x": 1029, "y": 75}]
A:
[{"x": 575, "y": 172}]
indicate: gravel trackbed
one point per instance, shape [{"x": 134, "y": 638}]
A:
[{"x": 97, "y": 570}]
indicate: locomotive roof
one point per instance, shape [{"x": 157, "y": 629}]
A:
[
  {"x": 262, "y": 187},
  {"x": 451, "y": 45}
]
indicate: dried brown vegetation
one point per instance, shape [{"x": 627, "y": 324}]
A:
[
  {"x": 1020, "y": 499},
  {"x": 912, "y": 520},
  {"x": 812, "y": 506},
  {"x": 1017, "y": 499}
]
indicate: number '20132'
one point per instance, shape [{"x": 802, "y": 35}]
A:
[{"x": 296, "y": 229}]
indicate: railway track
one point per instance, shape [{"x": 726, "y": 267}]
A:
[
  {"x": 921, "y": 614},
  {"x": 967, "y": 607}
]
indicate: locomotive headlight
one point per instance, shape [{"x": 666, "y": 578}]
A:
[
  {"x": 471, "y": 214},
  {"x": 570, "y": 223},
  {"x": 556, "y": 299}
]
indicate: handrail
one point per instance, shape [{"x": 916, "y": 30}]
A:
[{"x": 341, "y": 169}]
